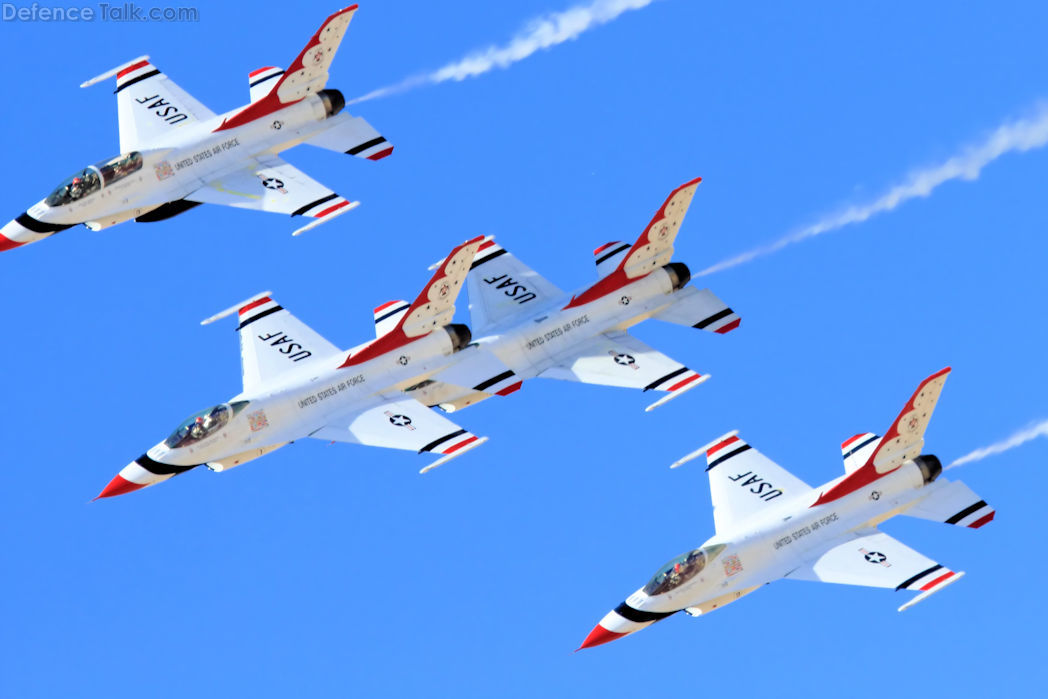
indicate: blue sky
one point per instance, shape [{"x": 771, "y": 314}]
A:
[{"x": 334, "y": 570}]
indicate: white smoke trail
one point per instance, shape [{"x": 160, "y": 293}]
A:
[
  {"x": 1016, "y": 136},
  {"x": 1016, "y": 440},
  {"x": 540, "y": 33}
]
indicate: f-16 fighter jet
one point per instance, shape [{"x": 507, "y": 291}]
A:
[
  {"x": 177, "y": 153},
  {"x": 297, "y": 384},
  {"x": 528, "y": 327},
  {"x": 771, "y": 525}
]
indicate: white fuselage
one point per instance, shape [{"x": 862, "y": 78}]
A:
[
  {"x": 303, "y": 401},
  {"x": 532, "y": 346},
  {"x": 771, "y": 545},
  {"x": 187, "y": 159}
]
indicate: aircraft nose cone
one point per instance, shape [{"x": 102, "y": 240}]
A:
[
  {"x": 599, "y": 636},
  {"x": 118, "y": 486},
  {"x": 26, "y": 229}
]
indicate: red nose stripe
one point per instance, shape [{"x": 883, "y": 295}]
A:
[
  {"x": 118, "y": 486},
  {"x": 8, "y": 244},
  {"x": 598, "y": 636}
]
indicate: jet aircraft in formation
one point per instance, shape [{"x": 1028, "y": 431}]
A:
[
  {"x": 177, "y": 154},
  {"x": 771, "y": 525},
  {"x": 297, "y": 384}
]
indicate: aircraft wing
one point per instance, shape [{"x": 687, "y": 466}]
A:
[
  {"x": 272, "y": 341},
  {"x": 744, "y": 482},
  {"x": 277, "y": 186},
  {"x": 150, "y": 106},
  {"x": 503, "y": 289},
  {"x": 401, "y": 423},
  {"x": 619, "y": 359},
  {"x": 874, "y": 559}
]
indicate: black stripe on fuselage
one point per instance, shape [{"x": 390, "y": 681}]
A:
[
  {"x": 438, "y": 442},
  {"x": 140, "y": 78},
  {"x": 159, "y": 469},
  {"x": 627, "y": 612},
  {"x": 665, "y": 378},
  {"x": 728, "y": 456},
  {"x": 616, "y": 251},
  {"x": 27, "y": 221},
  {"x": 492, "y": 256},
  {"x": 865, "y": 442},
  {"x": 493, "y": 380},
  {"x": 917, "y": 577},
  {"x": 395, "y": 311},
  {"x": 364, "y": 146},
  {"x": 966, "y": 511},
  {"x": 263, "y": 314},
  {"x": 268, "y": 77},
  {"x": 303, "y": 209},
  {"x": 713, "y": 318}
]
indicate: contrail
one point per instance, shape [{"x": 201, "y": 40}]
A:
[
  {"x": 1017, "y": 439},
  {"x": 540, "y": 33},
  {"x": 1015, "y": 136}
]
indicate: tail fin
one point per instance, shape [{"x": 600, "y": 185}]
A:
[
  {"x": 653, "y": 248},
  {"x": 903, "y": 440},
  {"x": 307, "y": 74},
  {"x": 433, "y": 308}
]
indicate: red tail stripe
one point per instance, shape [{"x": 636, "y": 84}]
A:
[
  {"x": 938, "y": 580},
  {"x": 486, "y": 245},
  {"x": 513, "y": 388},
  {"x": 261, "y": 70},
  {"x": 845, "y": 443},
  {"x": 255, "y": 304},
  {"x": 131, "y": 69},
  {"x": 602, "y": 248},
  {"x": 982, "y": 520},
  {"x": 720, "y": 445},
  {"x": 386, "y": 305},
  {"x": 729, "y": 327},
  {"x": 381, "y": 154}
]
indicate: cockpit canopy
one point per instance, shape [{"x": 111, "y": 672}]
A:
[
  {"x": 200, "y": 426},
  {"x": 93, "y": 177},
  {"x": 681, "y": 569}
]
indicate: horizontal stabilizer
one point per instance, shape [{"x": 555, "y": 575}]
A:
[
  {"x": 353, "y": 136},
  {"x": 609, "y": 256},
  {"x": 262, "y": 81},
  {"x": 619, "y": 359},
  {"x": 952, "y": 502},
  {"x": 700, "y": 308},
  {"x": 388, "y": 315},
  {"x": 856, "y": 450},
  {"x": 480, "y": 370}
]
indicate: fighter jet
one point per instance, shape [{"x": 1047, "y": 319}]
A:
[
  {"x": 297, "y": 384},
  {"x": 529, "y": 327},
  {"x": 177, "y": 154},
  {"x": 772, "y": 525}
]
